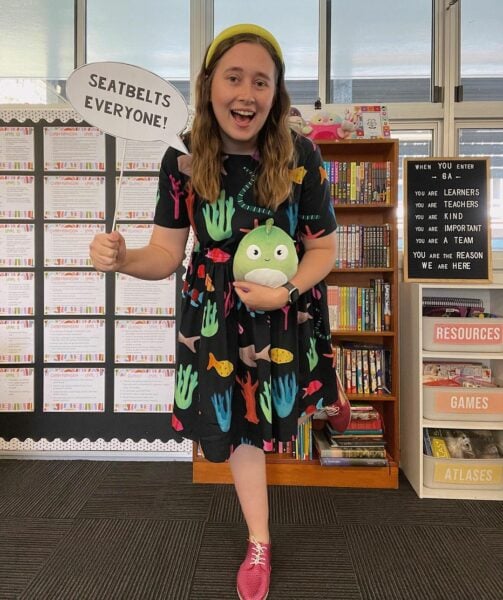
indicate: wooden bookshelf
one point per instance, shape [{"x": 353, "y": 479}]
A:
[{"x": 283, "y": 469}]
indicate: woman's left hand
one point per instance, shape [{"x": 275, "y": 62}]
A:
[{"x": 261, "y": 297}]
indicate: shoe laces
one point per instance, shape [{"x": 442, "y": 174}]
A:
[{"x": 258, "y": 556}]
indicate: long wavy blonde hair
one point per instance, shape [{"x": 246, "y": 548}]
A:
[{"x": 275, "y": 145}]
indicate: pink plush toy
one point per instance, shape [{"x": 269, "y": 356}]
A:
[{"x": 324, "y": 125}]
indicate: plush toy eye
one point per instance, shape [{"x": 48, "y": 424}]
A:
[
  {"x": 281, "y": 252},
  {"x": 253, "y": 252}
]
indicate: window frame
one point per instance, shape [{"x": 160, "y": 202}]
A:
[{"x": 443, "y": 112}]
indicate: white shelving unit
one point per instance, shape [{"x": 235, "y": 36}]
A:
[{"x": 412, "y": 355}]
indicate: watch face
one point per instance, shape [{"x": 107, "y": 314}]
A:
[
  {"x": 293, "y": 295},
  {"x": 293, "y": 292}
]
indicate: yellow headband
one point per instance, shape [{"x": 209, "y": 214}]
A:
[{"x": 243, "y": 28}]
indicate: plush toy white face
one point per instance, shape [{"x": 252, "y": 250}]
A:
[{"x": 266, "y": 255}]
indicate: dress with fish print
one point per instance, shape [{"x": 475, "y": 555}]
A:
[{"x": 244, "y": 377}]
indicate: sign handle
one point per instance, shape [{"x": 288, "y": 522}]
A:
[{"x": 119, "y": 186}]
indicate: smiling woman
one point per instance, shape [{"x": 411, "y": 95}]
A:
[
  {"x": 241, "y": 97},
  {"x": 241, "y": 91},
  {"x": 254, "y": 349}
]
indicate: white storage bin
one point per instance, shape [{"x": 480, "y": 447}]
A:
[
  {"x": 463, "y": 403},
  {"x": 463, "y": 474},
  {"x": 462, "y": 334}
]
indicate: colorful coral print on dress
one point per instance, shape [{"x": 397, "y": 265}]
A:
[{"x": 246, "y": 376}]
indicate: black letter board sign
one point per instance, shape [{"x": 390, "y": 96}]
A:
[{"x": 447, "y": 228}]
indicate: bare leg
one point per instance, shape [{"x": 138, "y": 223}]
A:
[{"x": 248, "y": 471}]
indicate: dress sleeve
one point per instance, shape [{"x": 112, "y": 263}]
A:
[
  {"x": 316, "y": 210},
  {"x": 171, "y": 208}
]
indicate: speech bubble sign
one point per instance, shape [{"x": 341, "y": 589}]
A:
[{"x": 128, "y": 102}]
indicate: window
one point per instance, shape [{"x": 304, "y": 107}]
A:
[
  {"x": 380, "y": 51},
  {"x": 36, "y": 50},
  {"x": 482, "y": 49},
  {"x": 155, "y": 37},
  {"x": 295, "y": 24},
  {"x": 488, "y": 143},
  {"x": 366, "y": 52}
]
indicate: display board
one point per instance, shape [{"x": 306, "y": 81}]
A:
[
  {"x": 447, "y": 224},
  {"x": 83, "y": 355}
]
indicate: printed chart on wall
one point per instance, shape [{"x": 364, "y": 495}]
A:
[
  {"x": 84, "y": 355},
  {"x": 447, "y": 234}
]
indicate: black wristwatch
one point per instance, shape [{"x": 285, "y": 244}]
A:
[{"x": 293, "y": 292}]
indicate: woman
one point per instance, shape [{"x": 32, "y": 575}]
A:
[{"x": 251, "y": 358}]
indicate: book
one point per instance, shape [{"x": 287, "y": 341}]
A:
[
  {"x": 325, "y": 449},
  {"x": 339, "y": 438},
  {"x": 339, "y": 461},
  {"x": 361, "y": 406},
  {"x": 386, "y": 306},
  {"x": 372, "y": 121},
  {"x": 427, "y": 449},
  {"x": 303, "y": 447},
  {"x": 449, "y": 306},
  {"x": 360, "y": 414},
  {"x": 359, "y": 425},
  {"x": 438, "y": 446},
  {"x": 360, "y": 441}
]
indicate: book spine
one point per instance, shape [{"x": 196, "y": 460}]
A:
[
  {"x": 387, "y": 306},
  {"x": 427, "y": 442},
  {"x": 353, "y": 453},
  {"x": 334, "y": 461}
]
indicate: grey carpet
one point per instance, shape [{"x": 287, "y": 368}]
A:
[{"x": 80, "y": 530}]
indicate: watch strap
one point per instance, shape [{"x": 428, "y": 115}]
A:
[{"x": 293, "y": 292}]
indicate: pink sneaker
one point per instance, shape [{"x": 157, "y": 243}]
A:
[{"x": 255, "y": 572}]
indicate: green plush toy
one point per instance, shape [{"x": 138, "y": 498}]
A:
[{"x": 266, "y": 255}]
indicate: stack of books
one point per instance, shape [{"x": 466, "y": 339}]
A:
[{"x": 362, "y": 444}]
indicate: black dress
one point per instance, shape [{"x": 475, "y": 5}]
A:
[{"x": 245, "y": 377}]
